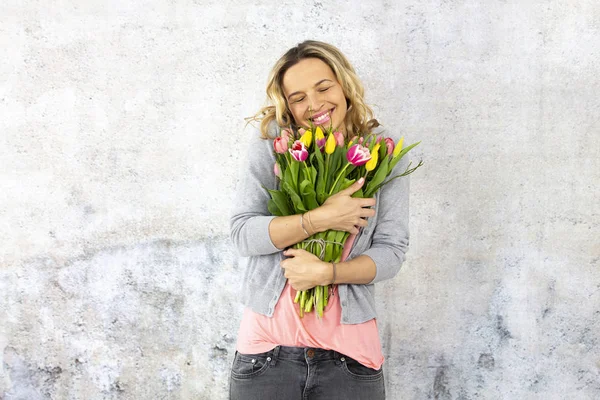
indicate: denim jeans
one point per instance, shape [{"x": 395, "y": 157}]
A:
[{"x": 303, "y": 373}]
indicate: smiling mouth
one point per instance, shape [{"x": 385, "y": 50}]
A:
[{"x": 323, "y": 117}]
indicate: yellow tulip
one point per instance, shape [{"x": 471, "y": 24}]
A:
[
  {"x": 330, "y": 145},
  {"x": 398, "y": 147},
  {"x": 319, "y": 133},
  {"x": 306, "y": 138},
  {"x": 372, "y": 163}
]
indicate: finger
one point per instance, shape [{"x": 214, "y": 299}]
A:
[
  {"x": 367, "y": 212},
  {"x": 367, "y": 202},
  {"x": 360, "y": 222},
  {"x": 290, "y": 252}
]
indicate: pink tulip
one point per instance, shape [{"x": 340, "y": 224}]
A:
[
  {"x": 339, "y": 138},
  {"x": 298, "y": 151},
  {"x": 280, "y": 144},
  {"x": 321, "y": 144},
  {"x": 286, "y": 133},
  {"x": 389, "y": 142},
  {"x": 358, "y": 155},
  {"x": 379, "y": 139},
  {"x": 276, "y": 170},
  {"x": 360, "y": 140}
]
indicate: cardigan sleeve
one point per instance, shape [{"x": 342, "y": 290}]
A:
[
  {"x": 391, "y": 234},
  {"x": 249, "y": 218}
]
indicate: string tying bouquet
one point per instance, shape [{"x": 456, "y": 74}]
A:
[{"x": 316, "y": 164}]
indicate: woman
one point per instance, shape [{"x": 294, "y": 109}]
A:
[{"x": 278, "y": 354}]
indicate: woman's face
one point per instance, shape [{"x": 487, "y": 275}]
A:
[{"x": 310, "y": 88}]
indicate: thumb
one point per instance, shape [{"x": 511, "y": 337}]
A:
[{"x": 354, "y": 187}]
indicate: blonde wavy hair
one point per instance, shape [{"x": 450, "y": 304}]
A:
[{"x": 359, "y": 116}]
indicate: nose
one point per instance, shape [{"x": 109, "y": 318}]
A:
[{"x": 315, "y": 104}]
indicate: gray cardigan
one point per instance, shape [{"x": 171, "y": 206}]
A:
[{"x": 385, "y": 239}]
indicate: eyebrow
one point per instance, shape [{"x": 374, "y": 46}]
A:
[{"x": 316, "y": 84}]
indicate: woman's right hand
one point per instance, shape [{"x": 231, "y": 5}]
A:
[{"x": 341, "y": 212}]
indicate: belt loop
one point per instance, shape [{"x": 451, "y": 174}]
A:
[
  {"x": 275, "y": 355},
  {"x": 336, "y": 356}
]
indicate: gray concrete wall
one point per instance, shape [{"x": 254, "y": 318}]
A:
[{"x": 120, "y": 138}]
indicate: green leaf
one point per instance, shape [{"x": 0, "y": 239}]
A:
[
  {"x": 303, "y": 177},
  {"x": 334, "y": 166},
  {"x": 322, "y": 197},
  {"x": 380, "y": 174},
  {"x": 281, "y": 201},
  {"x": 382, "y": 150},
  {"x": 358, "y": 194},
  {"x": 273, "y": 209},
  {"x": 407, "y": 172},
  {"x": 329, "y": 246},
  {"x": 287, "y": 176},
  {"x": 347, "y": 183},
  {"x": 308, "y": 194},
  {"x": 401, "y": 154},
  {"x": 321, "y": 180},
  {"x": 339, "y": 235},
  {"x": 373, "y": 140},
  {"x": 343, "y": 182},
  {"x": 338, "y": 248},
  {"x": 296, "y": 200},
  {"x": 294, "y": 168}
]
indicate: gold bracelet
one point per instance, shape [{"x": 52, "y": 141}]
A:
[
  {"x": 310, "y": 222},
  {"x": 302, "y": 224}
]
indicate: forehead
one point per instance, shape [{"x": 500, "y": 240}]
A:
[{"x": 305, "y": 74}]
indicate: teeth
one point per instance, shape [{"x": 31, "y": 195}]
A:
[{"x": 322, "y": 117}]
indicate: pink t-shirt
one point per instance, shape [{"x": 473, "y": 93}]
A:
[{"x": 259, "y": 333}]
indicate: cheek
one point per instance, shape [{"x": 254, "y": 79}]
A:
[{"x": 295, "y": 113}]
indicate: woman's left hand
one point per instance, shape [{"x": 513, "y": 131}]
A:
[{"x": 304, "y": 270}]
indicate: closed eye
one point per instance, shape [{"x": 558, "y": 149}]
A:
[{"x": 320, "y": 90}]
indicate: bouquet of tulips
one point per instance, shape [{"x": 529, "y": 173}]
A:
[{"x": 317, "y": 165}]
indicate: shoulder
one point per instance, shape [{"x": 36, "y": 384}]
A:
[
  {"x": 259, "y": 149},
  {"x": 273, "y": 131},
  {"x": 393, "y": 134}
]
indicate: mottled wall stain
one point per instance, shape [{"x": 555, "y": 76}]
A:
[
  {"x": 441, "y": 390},
  {"x": 126, "y": 320}
]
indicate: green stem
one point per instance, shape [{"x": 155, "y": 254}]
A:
[
  {"x": 321, "y": 300},
  {"x": 338, "y": 178},
  {"x": 308, "y": 173},
  {"x": 302, "y": 302},
  {"x": 326, "y": 169}
]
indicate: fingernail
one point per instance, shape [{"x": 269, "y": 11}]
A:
[{"x": 361, "y": 180}]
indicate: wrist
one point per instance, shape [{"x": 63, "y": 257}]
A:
[
  {"x": 327, "y": 274},
  {"x": 315, "y": 221}
]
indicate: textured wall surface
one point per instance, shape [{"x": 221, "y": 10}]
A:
[{"x": 121, "y": 125}]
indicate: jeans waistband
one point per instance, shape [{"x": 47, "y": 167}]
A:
[{"x": 305, "y": 353}]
